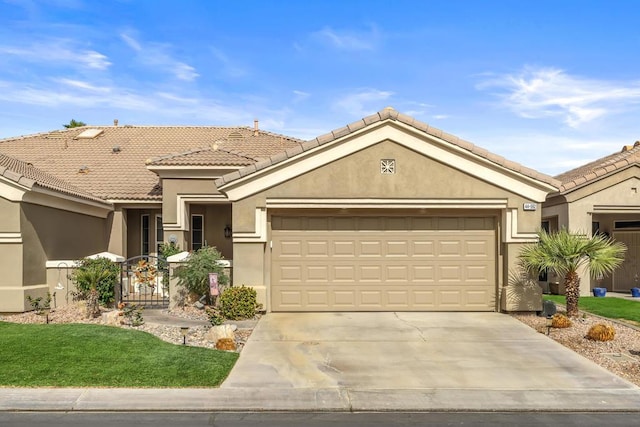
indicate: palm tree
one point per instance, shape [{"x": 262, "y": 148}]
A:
[
  {"x": 74, "y": 124},
  {"x": 564, "y": 253}
]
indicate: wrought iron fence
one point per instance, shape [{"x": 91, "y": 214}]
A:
[{"x": 144, "y": 281}]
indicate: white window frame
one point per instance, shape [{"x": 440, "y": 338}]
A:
[
  {"x": 142, "y": 217},
  {"x": 201, "y": 231},
  {"x": 159, "y": 239}
]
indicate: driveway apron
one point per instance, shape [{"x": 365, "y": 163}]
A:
[{"x": 472, "y": 351}]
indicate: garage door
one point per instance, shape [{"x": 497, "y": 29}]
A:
[{"x": 383, "y": 263}]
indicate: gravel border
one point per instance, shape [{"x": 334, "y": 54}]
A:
[
  {"x": 74, "y": 313},
  {"x": 620, "y": 356}
]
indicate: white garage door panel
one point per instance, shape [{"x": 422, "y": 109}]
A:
[{"x": 383, "y": 263}]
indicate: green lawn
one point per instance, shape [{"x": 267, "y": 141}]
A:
[
  {"x": 78, "y": 355},
  {"x": 612, "y": 308}
]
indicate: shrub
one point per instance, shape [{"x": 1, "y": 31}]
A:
[
  {"x": 38, "y": 305},
  {"x": 238, "y": 302},
  {"x": 560, "y": 321},
  {"x": 100, "y": 274},
  {"x": 194, "y": 275},
  {"x": 215, "y": 318},
  {"x": 166, "y": 250},
  {"x": 601, "y": 332},
  {"x": 133, "y": 314}
]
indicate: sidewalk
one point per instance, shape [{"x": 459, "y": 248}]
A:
[{"x": 316, "y": 400}]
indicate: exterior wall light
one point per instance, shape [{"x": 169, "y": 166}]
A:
[{"x": 227, "y": 231}]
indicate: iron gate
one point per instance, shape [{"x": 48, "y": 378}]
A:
[{"x": 144, "y": 281}]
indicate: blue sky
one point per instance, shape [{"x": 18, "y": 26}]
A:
[{"x": 549, "y": 84}]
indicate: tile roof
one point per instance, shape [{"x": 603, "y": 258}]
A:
[
  {"x": 26, "y": 174},
  {"x": 205, "y": 156},
  {"x": 393, "y": 115},
  {"x": 113, "y": 165},
  {"x": 591, "y": 171}
]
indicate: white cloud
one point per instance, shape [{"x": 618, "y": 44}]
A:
[
  {"x": 551, "y": 92},
  {"x": 363, "y": 102},
  {"x": 155, "y": 55},
  {"x": 131, "y": 42},
  {"x": 82, "y": 85},
  {"x": 299, "y": 96},
  {"x": 348, "y": 40},
  {"x": 441, "y": 116},
  {"x": 184, "y": 72},
  {"x": 59, "y": 51}
]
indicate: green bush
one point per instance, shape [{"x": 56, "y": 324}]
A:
[
  {"x": 100, "y": 274},
  {"x": 238, "y": 302},
  {"x": 215, "y": 318},
  {"x": 166, "y": 250},
  {"x": 194, "y": 275}
]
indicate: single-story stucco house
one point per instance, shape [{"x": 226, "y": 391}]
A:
[
  {"x": 602, "y": 197},
  {"x": 387, "y": 213}
]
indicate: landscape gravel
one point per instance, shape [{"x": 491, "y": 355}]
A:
[
  {"x": 74, "y": 313},
  {"x": 620, "y": 356}
]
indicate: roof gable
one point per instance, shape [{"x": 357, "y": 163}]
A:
[
  {"x": 402, "y": 129},
  {"x": 600, "y": 168},
  {"x": 26, "y": 175}
]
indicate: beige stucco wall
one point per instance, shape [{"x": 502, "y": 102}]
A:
[
  {"x": 516, "y": 294},
  {"x": 9, "y": 216},
  {"x": 57, "y": 234},
  {"x": 578, "y": 209},
  {"x": 46, "y": 234},
  {"x": 134, "y": 230},
  {"x": 117, "y": 226},
  {"x": 216, "y": 218},
  {"x": 358, "y": 176},
  {"x": 249, "y": 268},
  {"x": 172, "y": 187}
]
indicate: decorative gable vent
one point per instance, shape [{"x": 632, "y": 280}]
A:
[
  {"x": 235, "y": 136},
  {"x": 90, "y": 133}
]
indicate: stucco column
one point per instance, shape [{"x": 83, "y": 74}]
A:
[
  {"x": 580, "y": 219},
  {"x": 519, "y": 292},
  {"x": 248, "y": 269},
  {"x": 118, "y": 232}
]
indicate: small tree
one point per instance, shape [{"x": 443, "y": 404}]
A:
[
  {"x": 564, "y": 253},
  {"x": 194, "y": 275},
  {"x": 95, "y": 281},
  {"x": 74, "y": 124}
]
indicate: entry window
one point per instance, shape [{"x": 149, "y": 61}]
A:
[
  {"x": 159, "y": 233},
  {"x": 144, "y": 229},
  {"x": 197, "y": 232}
]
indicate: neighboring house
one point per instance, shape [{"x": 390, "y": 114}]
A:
[
  {"x": 602, "y": 197},
  {"x": 386, "y": 213}
]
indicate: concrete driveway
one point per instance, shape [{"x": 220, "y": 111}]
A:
[{"x": 409, "y": 351}]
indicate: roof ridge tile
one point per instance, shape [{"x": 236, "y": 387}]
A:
[{"x": 389, "y": 113}]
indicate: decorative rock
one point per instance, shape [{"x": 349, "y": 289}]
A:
[
  {"x": 111, "y": 318},
  {"x": 227, "y": 344},
  {"x": 198, "y": 305},
  {"x": 219, "y": 332}
]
